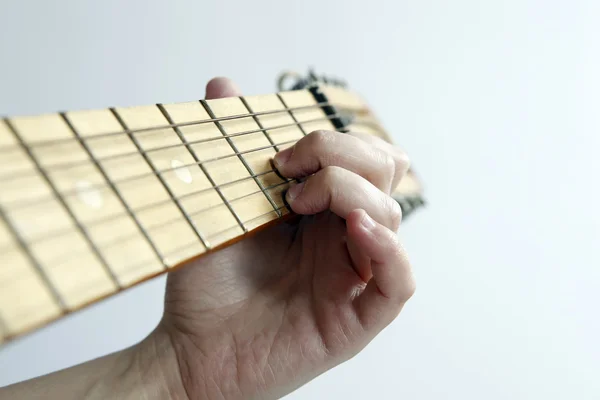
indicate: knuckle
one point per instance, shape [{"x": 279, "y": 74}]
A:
[
  {"x": 331, "y": 173},
  {"x": 389, "y": 166},
  {"x": 408, "y": 286},
  {"x": 330, "y": 177},
  {"x": 319, "y": 138},
  {"x": 395, "y": 212}
]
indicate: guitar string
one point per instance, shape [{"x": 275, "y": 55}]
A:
[
  {"x": 170, "y": 254},
  {"x": 251, "y": 150},
  {"x": 123, "y": 132},
  {"x": 178, "y": 250},
  {"x": 124, "y": 215},
  {"x": 299, "y": 123},
  {"x": 26, "y": 203},
  {"x": 184, "y": 143},
  {"x": 36, "y": 202},
  {"x": 23, "y": 203},
  {"x": 105, "y": 247}
]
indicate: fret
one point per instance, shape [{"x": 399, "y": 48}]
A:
[
  {"x": 173, "y": 183},
  {"x": 92, "y": 202},
  {"x": 271, "y": 104},
  {"x": 73, "y": 269},
  {"x": 11, "y": 240},
  {"x": 135, "y": 244},
  {"x": 253, "y": 162},
  {"x": 291, "y": 114},
  {"x": 14, "y": 160},
  {"x": 30, "y": 129},
  {"x": 258, "y": 123},
  {"x": 303, "y": 98},
  {"x": 25, "y": 300},
  {"x": 47, "y": 252},
  {"x": 292, "y": 132},
  {"x": 25, "y": 297},
  {"x": 31, "y": 221},
  {"x": 218, "y": 211}
]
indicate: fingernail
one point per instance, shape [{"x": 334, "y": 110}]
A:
[
  {"x": 282, "y": 157},
  {"x": 368, "y": 223},
  {"x": 294, "y": 192}
]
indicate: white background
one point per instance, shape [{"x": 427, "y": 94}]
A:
[{"x": 497, "y": 103}]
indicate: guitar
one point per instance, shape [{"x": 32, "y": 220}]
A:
[{"x": 94, "y": 202}]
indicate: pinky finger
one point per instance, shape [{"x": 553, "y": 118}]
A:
[{"x": 392, "y": 282}]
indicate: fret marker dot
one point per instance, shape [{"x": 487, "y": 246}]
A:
[
  {"x": 88, "y": 194},
  {"x": 182, "y": 172}
]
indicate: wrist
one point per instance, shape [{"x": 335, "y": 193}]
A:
[
  {"x": 147, "y": 370},
  {"x": 157, "y": 368}
]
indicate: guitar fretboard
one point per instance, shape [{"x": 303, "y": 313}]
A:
[{"x": 92, "y": 202}]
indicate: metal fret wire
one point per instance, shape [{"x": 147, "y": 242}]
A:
[
  {"x": 36, "y": 202},
  {"x": 291, "y": 114},
  {"x": 122, "y": 238},
  {"x": 257, "y": 121},
  {"x": 160, "y": 178},
  {"x": 189, "y": 244},
  {"x": 202, "y": 167},
  {"x": 147, "y": 207},
  {"x": 82, "y": 163},
  {"x": 33, "y": 202},
  {"x": 81, "y": 228},
  {"x": 296, "y": 123},
  {"x": 37, "y": 266},
  {"x": 275, "y": 147},
  {"x": 202, "y": 211},
  {"x": 175, "y": 125},
  {"x": 115, "y": 191},
  {"x": 242, "y": 159}
]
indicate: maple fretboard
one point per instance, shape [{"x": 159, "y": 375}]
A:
[{"x": 92, "y": 202}]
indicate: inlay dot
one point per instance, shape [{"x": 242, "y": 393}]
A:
[
  {"x": 182, "y": 172},
  {"x": 88, "y": 194}
]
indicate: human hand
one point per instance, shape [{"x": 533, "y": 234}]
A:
[{"x": 268, "y": 314}]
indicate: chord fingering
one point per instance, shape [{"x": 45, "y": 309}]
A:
[
  {"x": 208, "y": 194},
  {"x": 253, "y": 162},
  {"x": 96, "y": 201}
]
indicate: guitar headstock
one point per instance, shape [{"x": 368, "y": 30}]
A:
[{"x": 349, "y": 112}]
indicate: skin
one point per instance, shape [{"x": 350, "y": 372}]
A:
[{"x": 267, "y": 315}]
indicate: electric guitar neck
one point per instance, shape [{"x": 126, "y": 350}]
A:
[{"x": 93, "y": 202}]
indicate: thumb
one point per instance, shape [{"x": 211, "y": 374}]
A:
[{"x": 220, "y": 87}]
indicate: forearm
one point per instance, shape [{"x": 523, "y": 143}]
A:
[{"x": 148, "y": 370}]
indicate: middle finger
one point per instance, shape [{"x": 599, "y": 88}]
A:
[{"x": 321, "y": 149}]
